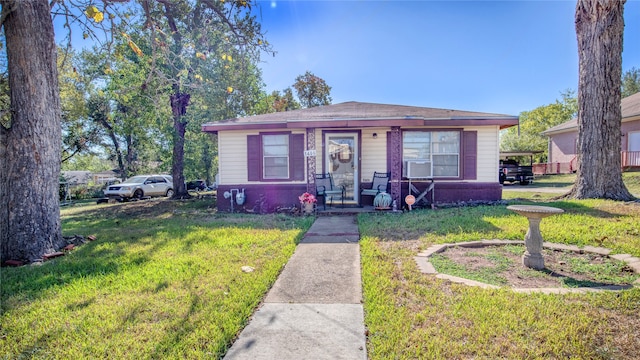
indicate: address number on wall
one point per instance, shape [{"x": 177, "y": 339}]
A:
[{"x": 309, "y": 153}]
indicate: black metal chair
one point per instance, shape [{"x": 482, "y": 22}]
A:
[
  {"x": 380, "y": 183},
  {"x": 326, "y": 188}
]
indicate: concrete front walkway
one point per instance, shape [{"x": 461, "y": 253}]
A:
[{"x": 314, "y": 310}]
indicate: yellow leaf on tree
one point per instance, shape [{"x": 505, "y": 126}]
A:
[
  {"x": 198, "y": 77},
  {"x": 99, "y": 17},
  {"x": 201, "y": 56},
  {"x": 229, "y": 89},
  {"x": 224, "y": 56},
  {"x": 92, "y": 12},
  {"x": 135, "y": 48}
]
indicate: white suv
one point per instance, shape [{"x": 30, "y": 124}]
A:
[{"x": 140, "y": 186}]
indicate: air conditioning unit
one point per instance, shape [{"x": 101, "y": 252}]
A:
[{"x": 418, "y": 169}]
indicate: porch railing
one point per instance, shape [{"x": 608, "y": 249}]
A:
[
  {"x": 630, "y": 159},
  {"x": 555, "y": 168}
]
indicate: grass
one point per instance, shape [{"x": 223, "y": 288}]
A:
[
  {"x": 410, "y": 315},
  {"x": 502, "y": 260},
  {"x": 162, "y": 280},
  {"x": 546, "y": 187}
]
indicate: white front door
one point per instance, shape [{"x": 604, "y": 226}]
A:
[{"x": 342, "y": 162}]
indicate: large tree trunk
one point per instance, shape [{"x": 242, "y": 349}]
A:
[
  {"x": 599, "y": 29},
  {"x": 179, "y": 103},
  {"x": 30, "y": 161}
]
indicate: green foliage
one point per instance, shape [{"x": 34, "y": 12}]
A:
[
  {"x": 534, "y": 122},
  {"x": 5, "y": 100},
  {"x": 78, "y": 135},
  {"x": 87, "y": 162},
  {"x": 630, "y": 82},
  {"x": 277, "y": 102},
  {"x": 312, "y": 90}
]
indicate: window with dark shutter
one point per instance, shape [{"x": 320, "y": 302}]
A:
[
  {"x": 275, "y": 156},
  {"x": 427, "y": 154}
]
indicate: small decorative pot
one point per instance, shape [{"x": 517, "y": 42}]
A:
[
  {"x": 382, "y": 201},
  {"x": 307, "y": 208}
]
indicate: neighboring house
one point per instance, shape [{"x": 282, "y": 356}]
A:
[
  {"x": 75, "y": 178},
  {"x": 563, "y": 139},
  {"x": 273, "y": 158},
  {"x": 105, "y": 177}
]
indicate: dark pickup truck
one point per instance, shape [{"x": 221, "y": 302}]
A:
[{"x": 511, "y": 171}]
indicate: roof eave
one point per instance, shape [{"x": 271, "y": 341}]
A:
[{"x": 503, "y": 122}]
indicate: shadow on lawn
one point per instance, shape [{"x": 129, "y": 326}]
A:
[
  {"x": 147, "y": 225},
  {"x": 95, "y": 259}
]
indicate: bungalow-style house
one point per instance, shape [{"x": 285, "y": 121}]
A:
[
  {"x": 273, "y": 158},
  {"x": 563, "y": 139}
]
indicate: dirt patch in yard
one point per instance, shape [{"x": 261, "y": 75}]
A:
[{"x": 502, "y": 265}]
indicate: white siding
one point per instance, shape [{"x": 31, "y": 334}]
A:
[
  {"x": 373, "y": 152},
  {"x": 488, "y": 156},
  {"x": 232, "y": 161}
]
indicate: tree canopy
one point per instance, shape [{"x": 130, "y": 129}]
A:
[
  {"x": 528, "y": 136},
  {"x": 160, "y": 58},
  {"x": 630, "y": 82},
  {"x": 312, "y": 90}
]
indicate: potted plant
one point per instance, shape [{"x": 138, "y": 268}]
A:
[{"x": 308, "y": 201}]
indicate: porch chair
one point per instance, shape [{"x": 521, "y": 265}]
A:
[
  {"x": 380, "y": 183},
  {"x": 326, "y": 188}
]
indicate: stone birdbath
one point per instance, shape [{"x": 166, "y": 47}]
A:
[{"x": 532, "y": 257}]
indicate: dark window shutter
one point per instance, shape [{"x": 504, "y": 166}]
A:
[
  {"x": 470, "y": 154},
  {"x": 389, "y": 150},
  {"x": 254, "y": 158},
  {"x": 296, "y": 156}
]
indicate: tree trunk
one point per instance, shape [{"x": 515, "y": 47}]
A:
[
  {"x": 179, "y": 103},
  {"x": 116, "y": 147},
  {"x": 599, "y": 29},
  {"x": 30, "y": 162}
]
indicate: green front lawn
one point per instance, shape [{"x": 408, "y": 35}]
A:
[
  {"x": 163, "y": 279},
  {"x": 410, "y": 315}
]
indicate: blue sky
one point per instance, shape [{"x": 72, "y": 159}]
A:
[{"x": 501, "y": 57}]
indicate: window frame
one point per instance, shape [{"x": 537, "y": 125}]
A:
[
  {"x": 279, "y": 156},
  {"x": 460, "y": 154},
  {"x": 255, "y": 158}
]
